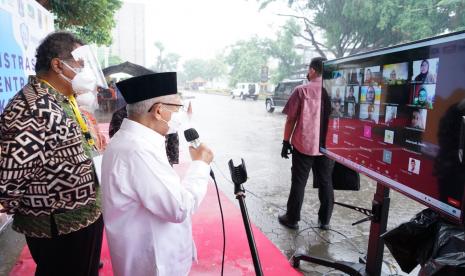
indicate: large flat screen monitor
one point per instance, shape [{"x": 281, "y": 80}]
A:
[{"x": 397, "y": 115}]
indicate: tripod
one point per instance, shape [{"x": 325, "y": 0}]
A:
[
  {"x": 239, "y": 176},
  {"x": 378, "y": 217}
]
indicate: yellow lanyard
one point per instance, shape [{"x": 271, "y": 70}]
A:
[
  {"x": 77, "y": 113},
  {"x": 82, "y": 123}
]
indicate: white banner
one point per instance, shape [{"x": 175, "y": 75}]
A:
[{"x": 23, "y": 24}]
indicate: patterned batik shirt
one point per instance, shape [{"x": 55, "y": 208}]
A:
[{"x": 45, "y": 165}]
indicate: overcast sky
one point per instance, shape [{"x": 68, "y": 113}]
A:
[{"x": 202, "y": 28}]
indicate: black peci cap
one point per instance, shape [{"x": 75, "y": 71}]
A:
[{"x": 146, "y": 87}]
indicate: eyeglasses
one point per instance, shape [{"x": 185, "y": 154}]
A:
[
  {"x": 181, "y": 107},
  {"x": 76, "y": 69}
]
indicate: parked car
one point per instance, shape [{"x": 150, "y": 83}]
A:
[
  {"x": 246, "y": 90},
  {"x": 282, "y": 93}
]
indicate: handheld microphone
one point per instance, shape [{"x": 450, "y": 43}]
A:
[{"x": 192, "y": 137}]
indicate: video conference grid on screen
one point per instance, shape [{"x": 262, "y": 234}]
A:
[
  {"x": 360, "y": 89},
  {"x": 385, "y": 116}
]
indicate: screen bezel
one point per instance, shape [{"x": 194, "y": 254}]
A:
[{"x": 373, "y": 174}]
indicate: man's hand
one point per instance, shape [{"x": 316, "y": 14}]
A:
[
  {"x": 287, "y": 149},
  {"x": 202, "y": 153}
]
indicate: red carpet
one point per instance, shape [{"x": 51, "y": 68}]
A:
[
  {"x": 208, "y": 238},
  {"x": 238, "y": 261}
]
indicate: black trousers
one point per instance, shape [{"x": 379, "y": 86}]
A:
[
  {"x": 322, "y": 168},
  {"x": 74, "y": 254}
]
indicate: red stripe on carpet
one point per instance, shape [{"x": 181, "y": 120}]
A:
[{"x": 208, "y": 237}]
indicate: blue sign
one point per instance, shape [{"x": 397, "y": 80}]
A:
[{"x": 12, "y": 62}]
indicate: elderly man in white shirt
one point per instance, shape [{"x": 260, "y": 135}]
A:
[{"x": 147, "y": 207}]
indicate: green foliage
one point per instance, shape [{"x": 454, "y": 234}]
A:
[
  {"x": 114, "y": 60},
  {"x": 195, "y": 68},
  {"x": 165, "y": 62},
  {"x": 353, "y": 26},
  {"x": 422, "y": 19},
  {"x": 90, "y": 20},
  {"x": 245, "y": 58},
  {"x": 205, "y": 69},
  {"x": 171, "y": 62},
  {"x": 283, "y": 49},
  {"x": 217, "y": 68}
]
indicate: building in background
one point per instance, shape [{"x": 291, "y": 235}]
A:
[{"x": 129, "y": 35}]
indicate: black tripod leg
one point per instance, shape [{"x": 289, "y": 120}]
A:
[
  {"x": 375, "y": 243},
  {"x": 378, "y": 226},
  {"x": 250, "y": 238},
  {"x": 353, "y": 269}
]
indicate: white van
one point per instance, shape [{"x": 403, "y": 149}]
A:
[{"x": 246, "y": 90}]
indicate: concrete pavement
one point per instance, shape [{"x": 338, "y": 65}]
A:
[{"x": 243, "y": 129}]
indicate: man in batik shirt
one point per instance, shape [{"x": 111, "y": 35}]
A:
[{"x": 47, "y": 179}]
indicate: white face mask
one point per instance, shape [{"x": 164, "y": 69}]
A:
[
  {"x": 176, "y": 121},
  {"x": 84, "y": 81},
  {"x": 87, "y": 101}
]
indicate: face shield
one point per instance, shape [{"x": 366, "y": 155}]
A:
[
  {"x": 87, "y": 79},
  {"x": 85, "y": 56}
]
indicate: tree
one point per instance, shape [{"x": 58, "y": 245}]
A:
[
  {"x": 246, "y": 57},
  {"x": 159, "y": 65},
  {"x": 106, "y": 59},
  {"x": 349, "y": 27},
  {"x": 283, "y": 49},
  {"x": 205, "y": 69},
  {"x": 114, "y": 60},
  {"x": 171, "y": 62},
  {"x": 195, "y": 68},
  {"x": 165, "y": 63},
  {"x": 216, "y": 68},
  {"x": 90, "y": 20}
]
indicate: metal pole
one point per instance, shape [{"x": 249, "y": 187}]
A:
[
  {"x": 378, "y": 226},
  {"x": 250, "y": 238}
]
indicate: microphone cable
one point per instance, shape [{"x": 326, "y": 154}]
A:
[
  {"x": 311, "y": 223},
  {"x": 192, "y": 137},
  {"x": 299, "y": 233},
  {"x": 222, "y": 220}
]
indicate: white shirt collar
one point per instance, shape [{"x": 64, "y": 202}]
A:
[{"x": 142, "y": 132}]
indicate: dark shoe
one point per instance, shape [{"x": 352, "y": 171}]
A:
[
  {"x": 284, "y": 220},
  {"x": 323, "y": 226}
]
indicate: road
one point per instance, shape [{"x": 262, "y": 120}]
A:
[{"x": 237, "y": 129}]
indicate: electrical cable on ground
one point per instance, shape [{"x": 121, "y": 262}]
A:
[
  {"x": 222, "y": 220},
  {"x": 311, "y": 225}
]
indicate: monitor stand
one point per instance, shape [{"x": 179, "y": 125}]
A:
[{"x": 374, "y": 260}]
